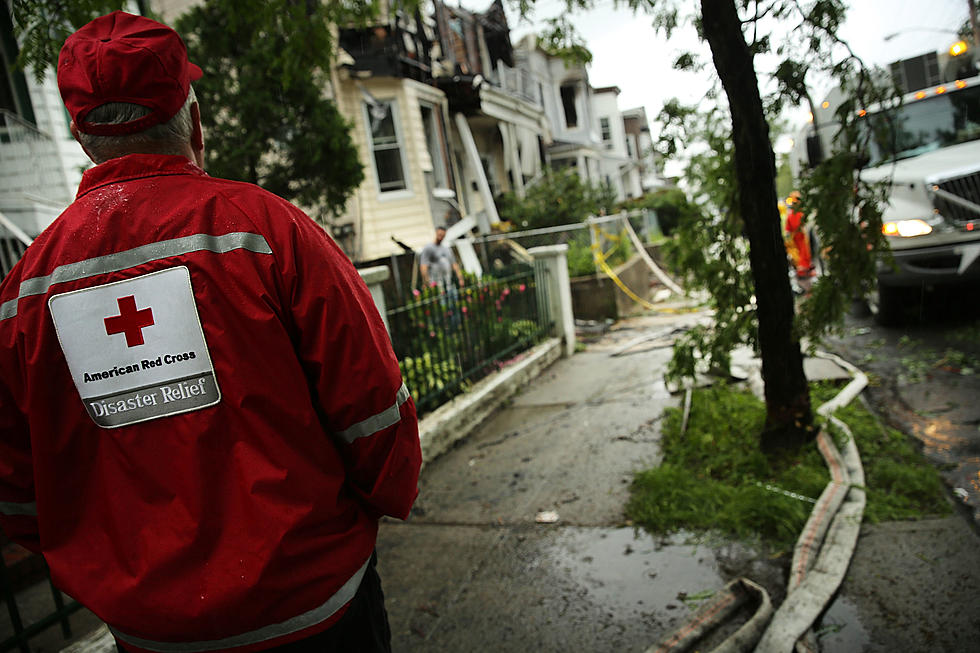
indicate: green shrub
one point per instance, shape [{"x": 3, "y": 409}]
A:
[
  {"x": 559, "y": 198},
  {"x": 671, "y": 206}
]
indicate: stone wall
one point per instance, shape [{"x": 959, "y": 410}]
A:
[{"x": 596, "y": 297}]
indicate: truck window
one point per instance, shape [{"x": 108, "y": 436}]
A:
[{"x": 924, "y": 125}]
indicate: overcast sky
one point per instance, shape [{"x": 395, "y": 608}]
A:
[{"x": 627, "y": 52}]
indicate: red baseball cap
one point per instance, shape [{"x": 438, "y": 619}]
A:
[{"x": 120, "y": 57}]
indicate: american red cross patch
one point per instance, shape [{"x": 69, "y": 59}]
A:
[{"x": 136, "y": 348}]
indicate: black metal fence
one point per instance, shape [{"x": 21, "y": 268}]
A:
[
  {"x": 450, "y": 337},
  {"x": 24, "y": 632}
]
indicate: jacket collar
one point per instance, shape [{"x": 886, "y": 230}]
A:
[{"x": 135, "y": 166}]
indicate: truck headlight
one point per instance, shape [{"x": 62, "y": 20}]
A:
[{"x": 906, "y": 228}]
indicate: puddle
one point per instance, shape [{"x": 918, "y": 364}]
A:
[
  {"x": 841, "y": 630},
  {"x": 640, "y": 573}
]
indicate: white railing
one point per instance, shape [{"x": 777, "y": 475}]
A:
[{"x": 13, "y": 242}]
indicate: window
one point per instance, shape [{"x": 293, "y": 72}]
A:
[
  {"x": 568, "y": 103},
  {"x": 605, "y": 131},
  {"x": 386, "y": 147},
  {"x": 630, "y": 147}
]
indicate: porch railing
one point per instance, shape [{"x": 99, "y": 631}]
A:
[
  {"x": 30, "y": 162},
  {"x": 519, "y": 83},
  {"x": 13, "y": 243},
  {"x": 448, "y": 338}
]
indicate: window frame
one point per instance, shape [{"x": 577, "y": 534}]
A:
[
  {"x": 605, "y": 131},
  {"x": 399, "y": 144},
  {"x": 440, "y": 159}
]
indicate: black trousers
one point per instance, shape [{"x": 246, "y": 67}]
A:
[{"x": 363, "y": 628}]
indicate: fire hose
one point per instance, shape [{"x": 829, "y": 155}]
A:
[{"x": 820, "y": 558}]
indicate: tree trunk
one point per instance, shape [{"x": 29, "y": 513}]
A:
[{"x": 789, "y": 419}]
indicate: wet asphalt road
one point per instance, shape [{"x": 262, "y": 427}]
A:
[{"x": 925, "y": 381}]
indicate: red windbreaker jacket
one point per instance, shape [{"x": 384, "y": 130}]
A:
[{"x": 201, "y": 417}]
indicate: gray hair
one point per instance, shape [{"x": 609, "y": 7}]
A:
[{"x": 166, "y": 138}]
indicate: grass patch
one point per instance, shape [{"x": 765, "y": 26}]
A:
[{"x": 712, "y": 476}]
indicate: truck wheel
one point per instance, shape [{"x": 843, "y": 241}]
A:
[{"x": 885, "y": 304}]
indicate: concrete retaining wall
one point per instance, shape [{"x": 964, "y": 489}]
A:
[
  {"x": 596, "y": 297},
  {"x": 455, "y": 420}
]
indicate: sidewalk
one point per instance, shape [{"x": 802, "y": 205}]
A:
[{"x": 474, "y": 570}]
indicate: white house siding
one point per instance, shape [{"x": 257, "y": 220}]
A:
[
  {"x": 40, "y": 174},
  {"x": 614, "y": 159},
  {"x": 406, "y": 214},
  {"x": 552, "y": 73},
  {"x": 52, "y": 118}
]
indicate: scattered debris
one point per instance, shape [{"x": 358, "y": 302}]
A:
[
  {"x": 665, "y": 335},
  {"x": 687, "y": 410},
  {"x": 661, "y": 295},
  {"x": 961, "y": 493},
  {"x": 501, "y": 440},
  {"x": 592, "y": 327},
  {"x": 546, "y": 517},
  {"x": 428, "y": 609},
  {"x": 695, "y": 600}
]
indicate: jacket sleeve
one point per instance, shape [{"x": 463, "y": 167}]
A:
[
  {"x": 18, "y": 510},
  {"x": 351, "y": 367}
]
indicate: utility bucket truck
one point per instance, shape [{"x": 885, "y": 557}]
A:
[{"x": 932, "y": 218}]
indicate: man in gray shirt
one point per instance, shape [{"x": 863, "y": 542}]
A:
[{"x": 437, "y": 263}]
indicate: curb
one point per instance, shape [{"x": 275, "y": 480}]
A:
[{"x": 455, "y": 420}]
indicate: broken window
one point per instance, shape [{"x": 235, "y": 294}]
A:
[
  {"x": 386, "y": 146},
  {"x": 434, "y": 141},
  {"x": 568, "y": 103}
]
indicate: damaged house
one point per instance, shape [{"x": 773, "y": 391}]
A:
[{"x": 444, "y": 122}]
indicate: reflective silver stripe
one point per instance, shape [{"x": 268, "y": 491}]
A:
[
  {"x": 133, "y": 257},
  {"x": 375, "y": 423},
  {"x": 303, "y": 621},
  {"x": 10, "y": 509}
]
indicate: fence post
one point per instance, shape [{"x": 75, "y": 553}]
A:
[
  {"x": 551, "y": 272},
  {"x": 595, "y": 243},
  {"x": 374, "y": 277}
]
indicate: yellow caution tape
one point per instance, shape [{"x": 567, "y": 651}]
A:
[
  {"x": 600, "y": 259},
  {"x": 622, "y": 286}
]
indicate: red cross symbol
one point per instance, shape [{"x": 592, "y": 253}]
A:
[{"x": 129, "y": 321}]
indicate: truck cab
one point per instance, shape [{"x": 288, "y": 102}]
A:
[
  {"x": 932, "y": 219},
  {"x": 931, "y": 162}
]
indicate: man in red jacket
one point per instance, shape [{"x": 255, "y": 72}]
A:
[{"x": 201, "y": 417}]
